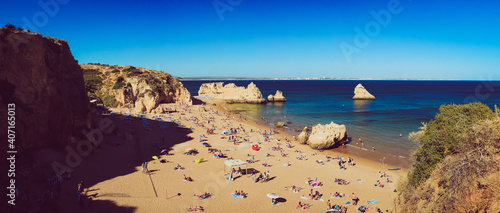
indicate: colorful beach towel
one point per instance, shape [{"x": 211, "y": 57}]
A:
[{"x": 236, "y": 196}]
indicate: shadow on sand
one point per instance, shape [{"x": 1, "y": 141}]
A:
[{"x": 121, "y": 152}]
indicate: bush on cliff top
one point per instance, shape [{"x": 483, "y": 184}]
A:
[
  {"x": 92, "y": 77},
  {"x": 443, "y": 135}
]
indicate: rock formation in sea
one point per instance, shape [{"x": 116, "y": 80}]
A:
[
  {"x": 278, "y": 97},
  {"x": 232, "y": 93},
  {"x": 42, "y": 79},
  {"x": 270, "y": 98},
  {"x": 327, "y": 136},
  {"x": 360, "y": 93},
  {"x": 135, "y": 87},
  {"x": 303, "y": 136},
  {"x": 280, "y": 124}
]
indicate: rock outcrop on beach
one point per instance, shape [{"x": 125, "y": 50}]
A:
[
  {"x": 327, "y": 136},
  {"x": 360, "y": 93},
  {"x": 232, "y": 93},
  {"x": 135, "y": 87},
  {"x": 278, "y": 97},
  {"x": 303, "y": 136},
  {"x": 280, "y": 124},
  {"x": 42, "y": 79}
]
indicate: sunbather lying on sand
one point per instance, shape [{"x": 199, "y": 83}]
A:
[
  {"x": 294, "y": 188},
  {"x": 204, "y": 195},
  {"x": 364, "y": 208},
  {"x": 336, "y": 195},
  {"x": 187, "y": 178},
  {"x": 195, "y": 209},
  {"x": 341, "y": 181},
  {"x": 178, "y": 167},
  {"x": 241, "y": 193},
  {"x": 303, "y": 205},
  {"x": 379, "y": 184}
]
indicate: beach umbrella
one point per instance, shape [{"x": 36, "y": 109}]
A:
[
  {"x": 162, "y": 151},
  {"x": 199, "y": 160},
  {"x": 200, "y": 136},
  {"x": 273, "y": 195},
  {"x": 155, "y": 157},
  {"x": 205, "y": 144}
]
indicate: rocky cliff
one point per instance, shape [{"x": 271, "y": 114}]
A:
[
  {"x": 360, "y": 93},
  {"x": 232, "y": 93},
  {"x": 135, "y": 87},
  {"x": 278, "y": 97},
  {"x": 40, "y": 76},
  {"x": 327, "y": 136}
]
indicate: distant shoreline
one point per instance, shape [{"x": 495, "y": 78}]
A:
[{"x": 313, "y": 79}]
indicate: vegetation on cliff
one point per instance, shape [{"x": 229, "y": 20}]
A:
[{"x": 458, "y": 164}]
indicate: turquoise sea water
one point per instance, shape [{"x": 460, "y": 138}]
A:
[{"x": 400, "y": 106}]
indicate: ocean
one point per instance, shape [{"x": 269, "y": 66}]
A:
[{"x": 400, "y": 106}]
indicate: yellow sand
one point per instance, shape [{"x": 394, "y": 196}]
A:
[{"x": 113, "y": 174}]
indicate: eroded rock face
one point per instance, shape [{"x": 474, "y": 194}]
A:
[
  {"x": 40, "y": 76},
  {"x": 360, "y": 93},
  {"x": 327, "y": 136},
  {"x": 144, "y": 90},
  {"x": 232, "y": 93},
  {"x": 303, "y": 136}
]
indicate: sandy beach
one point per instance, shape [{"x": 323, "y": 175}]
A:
[{"x": 114, "y": 179}]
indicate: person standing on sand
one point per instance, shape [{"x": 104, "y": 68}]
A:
[
  {"x": 328, "y": 205},
  {"x": 354, "y": 199},
  {"x": 254, "y": 178}
]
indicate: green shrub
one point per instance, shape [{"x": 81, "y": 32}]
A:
[
  {"x": 92, "y": 77},
  {"x": 443, "y": 135},
  {"x": 109, "y": 101},
  {"x": 132, "y": 71},
  {"x": 119, "y": 85},
  {"x": 115, "y": 71}
]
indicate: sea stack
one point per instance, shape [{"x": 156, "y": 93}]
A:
[
  {"x": 232, "y": 93},
  {"x": 270, "y": 98},
  {"x": 360, "y": 93},
  {"x": 278, "y": 97}
]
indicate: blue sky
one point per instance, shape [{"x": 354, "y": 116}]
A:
[{"x": 284, "y": 38}]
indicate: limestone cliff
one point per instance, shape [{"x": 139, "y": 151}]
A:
[
  {"x": 232, "y": 93},
  {"x": 360, "y": 93},
  {"x": 278, "y": 97},
  {"x": 327, "y": 136},
  {"x": 40, "y": 76},
  {"x": 134, "y": 87}
]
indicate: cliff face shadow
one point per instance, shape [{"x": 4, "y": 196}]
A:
[{"x": 129, "y": 142}]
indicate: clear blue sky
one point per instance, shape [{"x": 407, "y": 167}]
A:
[{"x": 282, "y": 38}]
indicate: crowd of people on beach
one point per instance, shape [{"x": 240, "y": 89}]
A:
[{"x": 211, "y": 121}]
